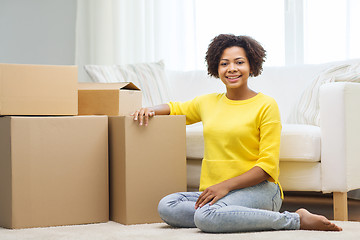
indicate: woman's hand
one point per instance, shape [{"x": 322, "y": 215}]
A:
[
  {"x": 142, "y": 115},
  {"x": 212, "y": 194},
  {"x": 250, "y": 178}
]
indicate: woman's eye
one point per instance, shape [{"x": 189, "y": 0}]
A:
[
  {"x": 240, "y": 62},
  {"x": 223, "y": 64}
]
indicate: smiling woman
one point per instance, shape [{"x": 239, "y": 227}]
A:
[{"x": 239, "y": 184}]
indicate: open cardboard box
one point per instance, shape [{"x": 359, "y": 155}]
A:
[{"x": 113, "y": 99}]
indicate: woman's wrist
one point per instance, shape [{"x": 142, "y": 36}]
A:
[{"x": 162, "y": 109}]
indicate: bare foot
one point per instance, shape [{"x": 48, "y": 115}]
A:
[{"x": 310, "y": 221}]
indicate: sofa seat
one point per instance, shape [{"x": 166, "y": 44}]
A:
[
  {"x": 299, "y": 156},
  {"x": 299, "y": 143}
]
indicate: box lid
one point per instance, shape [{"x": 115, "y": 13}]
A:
[{"x": 107, "y": 86}]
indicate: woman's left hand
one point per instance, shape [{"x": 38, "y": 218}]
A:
[{"x": 212, "y": 194}]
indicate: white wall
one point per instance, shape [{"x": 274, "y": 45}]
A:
[{"x": 37, "y": 31}]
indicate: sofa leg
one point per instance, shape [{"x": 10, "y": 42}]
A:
[{"x": 340, "y": 206}]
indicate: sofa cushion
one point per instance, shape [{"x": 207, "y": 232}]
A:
[
  {"x": 299, "y": 143},
  {"x": 307, "y": 108},
  {"x": 149, "y": 77},
  {"x": 194, "y": 141},
  {"x": 294, "y": 176},
  {"x": 186, "y": 85}
]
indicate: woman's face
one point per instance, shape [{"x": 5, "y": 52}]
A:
[{"x": 234, "y": 67}]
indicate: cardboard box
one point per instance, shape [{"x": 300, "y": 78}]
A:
[
  {"x": 53, "y": 171},
  {"x": 146, "y": 164},
  {"x": 113, "y": 99},
  {"x": 38, "y": 90}
]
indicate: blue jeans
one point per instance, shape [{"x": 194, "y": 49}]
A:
[{"x": 250, "y": 209}]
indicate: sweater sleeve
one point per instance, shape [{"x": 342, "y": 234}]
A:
[
  {"x": 269, "y": 145},
  {"x": 191, "y": 109}
]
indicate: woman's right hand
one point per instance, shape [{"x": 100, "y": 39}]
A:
[{"x": 142, "y": 115}]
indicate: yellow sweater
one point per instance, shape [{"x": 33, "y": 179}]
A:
[{"x": 238, "y": 135}]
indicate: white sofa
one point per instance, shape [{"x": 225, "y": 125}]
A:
[{"x": 312, "y": 158}]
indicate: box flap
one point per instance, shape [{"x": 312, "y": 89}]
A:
[{"x": 107, "y": 86}]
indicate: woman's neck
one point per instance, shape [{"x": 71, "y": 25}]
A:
[{"x": 240, "y": 94}]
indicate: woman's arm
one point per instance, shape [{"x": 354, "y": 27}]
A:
[
  {"x": 250, "y": 178},
  {"x": 142, "y": 115}
]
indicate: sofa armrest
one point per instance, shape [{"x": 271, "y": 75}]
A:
[{"x": 340, "y": 132}]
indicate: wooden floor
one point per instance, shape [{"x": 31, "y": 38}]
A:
[{"x": 318, "y": 203}]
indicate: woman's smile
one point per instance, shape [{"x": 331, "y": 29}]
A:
[{"x": 233, "y": 78}]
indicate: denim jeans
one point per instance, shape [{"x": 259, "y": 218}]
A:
[{"x": 249, "y": 209}]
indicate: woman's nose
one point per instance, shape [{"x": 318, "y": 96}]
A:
[{"x": 231, "y": 67}]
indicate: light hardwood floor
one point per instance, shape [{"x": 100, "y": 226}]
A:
[{"x": 318, "y": 203}]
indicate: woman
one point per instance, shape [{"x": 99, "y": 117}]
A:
[{"x": 239, "y": 188}]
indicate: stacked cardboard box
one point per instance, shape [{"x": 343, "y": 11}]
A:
[
  {"x": 54, "y": 164},
  {"x": 146, "y": 163},
  {"x": 53, "y": 168},
  {"x": 38, "y": 90}
]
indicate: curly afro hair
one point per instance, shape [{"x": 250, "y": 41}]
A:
[{"x": 255, "y": 53}]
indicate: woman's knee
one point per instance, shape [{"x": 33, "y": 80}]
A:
[
  {"x": 205, "y": 219},
  {"x": 176, "y": 210},
  {"x": 164, "y": 206}
]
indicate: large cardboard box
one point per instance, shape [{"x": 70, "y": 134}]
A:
[
  {"x": 53, "y": 171},
  {"x": 38, "y": 90},
  {"x": 146, "y": 164},
  {"x": 113, "y": 99}
]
